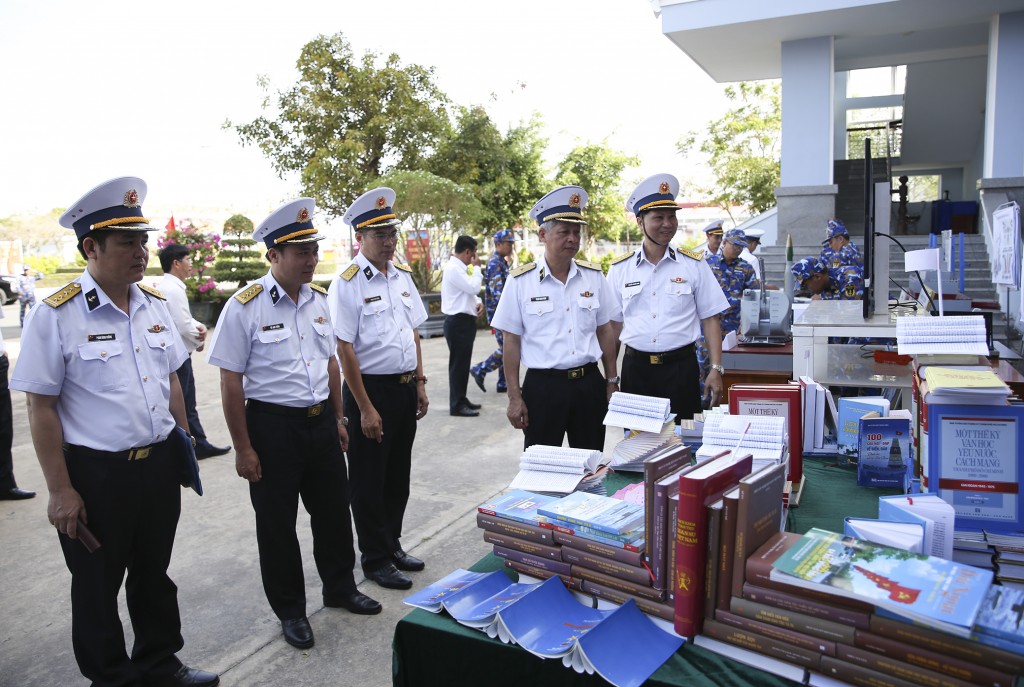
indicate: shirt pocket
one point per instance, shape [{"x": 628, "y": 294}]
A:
[
  {"x": 273, "y": 337},
  {"x": 100, "y": 363},
  {"x": 679, "y": 289},
  {"x": 539, "y": 308},
  {"x": 324, "y": 336},
  {"x": 588, "y": 307},
  {"x": 375, "y": 317}
]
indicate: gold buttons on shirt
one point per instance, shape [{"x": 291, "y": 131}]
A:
[
  {"x": 137, "y": 349},
  {"x": 103, "y": 354},
  {"x": 145, "y": 378}
]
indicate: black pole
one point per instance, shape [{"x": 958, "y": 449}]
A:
[{"x": 869, "y": 229}]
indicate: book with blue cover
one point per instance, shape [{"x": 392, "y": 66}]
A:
[
  {"x": 936, "y": 592},
  {"x": 851, "y": 410},
  {"x": 975, "y": 462},
  {"x": 601, "y": 513},
  {"x": 934, "y": 514},
  {"x": 1002, "y": 617},
  {"x": 883, "y": 451},
  {"x": 518, "y": 505},
  {"x": 458, "y": 592}
]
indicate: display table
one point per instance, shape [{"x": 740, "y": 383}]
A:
[
  {"x": 433, "y": 649},
  {"x": 757, "y": 365}
]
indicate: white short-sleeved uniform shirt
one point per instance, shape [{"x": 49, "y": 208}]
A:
[
  {"x": 749, "y": 258},
  {"x": 281, "y": 348},
  {"x": 378, "y": 314},
  {"x": 557, "y": 323},
  {"x": 111, "y": 370},
  {"x": 661, "y": 305}
]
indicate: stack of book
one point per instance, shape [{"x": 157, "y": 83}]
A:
[
  {"x": 637, "y": 446},
  {"x": 595, "y": 544},
  {"x": 763, "y": 437},
  {"x": 558, "y": 470},
  {"x": 851, "y": 410},
  {"x": 1009, "y": 558},
  {"x": 778, "y": 400},
  {"x": 820, "y": 435},
  {"x": 823, "y": 604},
  {"x": 634, "y": 411},
  {"x": 969, "y": 435}
]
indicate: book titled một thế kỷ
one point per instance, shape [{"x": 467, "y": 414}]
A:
[{"x": 934, "y": 591}]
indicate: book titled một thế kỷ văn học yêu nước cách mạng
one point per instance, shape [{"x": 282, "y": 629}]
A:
[{"x": 934, "y": 591}]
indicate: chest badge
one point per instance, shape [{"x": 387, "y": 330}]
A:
[
  {"x": 405, "y": 294},
  {"x": 586, "y": 294},
  {"x": 157, "y": 328},
  {"x": 677, "y": 280},
  {"x": 320, "y": 320}
]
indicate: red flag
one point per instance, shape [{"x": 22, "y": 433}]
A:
[{"x": 170, "y": 224}]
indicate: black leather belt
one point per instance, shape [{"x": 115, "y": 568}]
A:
[
  {"x": 571, "y": 373},
  {"x": 661, "y": 358},
  {"x": 404, "y": 378},
  {"x": 288, "y": 411},
  {"x": 139, "y": 453}
]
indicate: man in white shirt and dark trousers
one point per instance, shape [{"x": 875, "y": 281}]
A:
[
  {"x": 461, "y": 304},
  {"x": 177, "y": 266}
]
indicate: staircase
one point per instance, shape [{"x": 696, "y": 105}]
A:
[{"x": 977, "y": 273}]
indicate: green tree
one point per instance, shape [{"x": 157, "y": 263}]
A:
[
  {"x": 348, "y": 121},
  {"x": 507, "y": 171},
  {"x": 434, "y": 207},
  {"x": 598, "y": 168},
  {"x": 743, "y": 147},
  {"x": 238, "y": 261},
  {"x": 37, "y": 232}
]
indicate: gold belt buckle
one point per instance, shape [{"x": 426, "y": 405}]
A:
[
  {"x": 576, "y": 373},
  {"x": 313, "y": 411},
  {"x": 404, "y": 379},
  {"x": 139, "y": 453},
  {"x": 656, "y": 360}
]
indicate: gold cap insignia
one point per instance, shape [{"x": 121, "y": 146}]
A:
[
  {"x": 574, "y": 200},
  {"x": 303, "y": 215},
  {"x": 131, "y": 199},
  {"x": 663, "y": 188},
  {"x": 381, "y": 202}
]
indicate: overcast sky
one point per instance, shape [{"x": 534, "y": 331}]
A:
[{"x": 97, "y": 89}]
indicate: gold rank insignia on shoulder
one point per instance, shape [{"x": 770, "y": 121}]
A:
[
  {"x": 522, "y": 269},
  {"x": 692, "y": 254},
  {"x": 404, "y": 268},
  {"x": 317, "y": 287},
  {"x": 589, "y": 265},
  {"x": 250, "y": 293},
  {"x": 620, "y": 258},
  {"x": 151, "y": 291},
  {"x": 350, "y": 272},
  {"x": 63, "y": 295}
]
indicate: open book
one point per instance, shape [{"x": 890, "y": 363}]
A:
[
  {"x": 764, "y": 437},
  {"x": 560, "y": 470},
  {"x": 633, "y": 411},
  {"x": 637, "y": 446},
  {"x": 964, "y": 334},
  {"x": 622, "y": 645}
]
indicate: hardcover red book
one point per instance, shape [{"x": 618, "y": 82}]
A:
[
  {"x": 764, "y": 397},
  {"x": 697, "y": 489}
]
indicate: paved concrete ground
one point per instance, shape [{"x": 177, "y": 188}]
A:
[{"x": 226, "y": 621}]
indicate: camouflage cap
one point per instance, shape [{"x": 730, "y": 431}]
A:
[{"x": 802, "y": 269}]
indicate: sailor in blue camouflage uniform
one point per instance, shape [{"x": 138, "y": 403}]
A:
[
  {"x": 495, "y": 274},
  {"x": 836, "y": 248},
  {"x": 844, "y": 283},
  {"x": 734, "y": 275}
]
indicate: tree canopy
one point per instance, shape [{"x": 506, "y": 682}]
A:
[
  {"x": 347, "y": 121},
  {"x": 743, "y": 147},
  {"x": 238, "y": 261},
  {"x": 598, "y": 168}
]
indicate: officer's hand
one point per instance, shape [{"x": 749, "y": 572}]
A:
[
  {"x": 371, "y": 425},
  {"x": 713, "y": 388},
  {"x": 517, "y": 413},
  {"x": 247, "y": 465},
  {"x": 816, "y": 297},
  {"x": 421, "y": 401},
  {"x": 479, "y": 309},
  {"x": 343, "y": 437},
  {"x": 64, "y": 510}
]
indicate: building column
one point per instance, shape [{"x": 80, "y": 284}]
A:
[
  {"x": 807, "y": 195},
  {"x": 1004, "y": 99}
]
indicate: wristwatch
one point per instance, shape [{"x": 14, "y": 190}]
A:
[
  {"x": 718, "y": 368},
  {"x": 614, "y": 380},
  {"x": 343, "y": 422}
]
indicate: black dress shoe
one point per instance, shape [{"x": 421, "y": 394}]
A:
[
  {"x": 404, "y": 561},
  {"x": 208, "y": 450},
  {"x": 389, "y": 577},
  {"x": 15, "y": 494},
  {"x": 463, "y": 411},
  {"x": 478, "y": 377},
  {"x": 472, "y": 406},
  {"x": 298, "y": 633},
  {"x": 188, "y": 677},
  {"x": 355, "y": 602}
]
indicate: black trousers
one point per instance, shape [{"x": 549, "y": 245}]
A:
[
  {"x": 6, "y": 430},
  {"x": 677, "y": 379},
  {"x": 188, "y": 389},
  {"x": 133, "y": 508},
  {"x": 300, "y": 456},
  {"x": 460, "y": 333},
  {"x": 380, "y": 471},
  {"x": 557, "y": 405}
]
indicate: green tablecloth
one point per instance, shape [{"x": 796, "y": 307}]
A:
[{"x": 433, "y": 649}]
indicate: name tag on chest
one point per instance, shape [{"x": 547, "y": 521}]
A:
[
  {"x": 102, "y": 337},
  {"x": 272, "y": 327}
]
